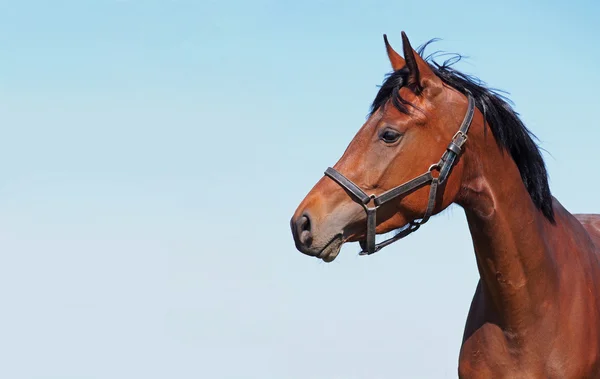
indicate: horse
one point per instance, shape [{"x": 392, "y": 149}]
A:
[{"x": 535, "y": 312}]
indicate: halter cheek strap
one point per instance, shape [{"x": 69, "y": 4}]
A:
[{"x": 443, "y": 167}]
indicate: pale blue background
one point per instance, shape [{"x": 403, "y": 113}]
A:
[{"x": 152, "y": 153}]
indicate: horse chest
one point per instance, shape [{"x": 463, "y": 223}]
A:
[{"x": 487, "y": 354}]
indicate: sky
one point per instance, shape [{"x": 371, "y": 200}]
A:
[{"x": 153, "y": 152}]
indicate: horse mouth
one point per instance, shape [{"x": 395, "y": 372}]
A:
[{"x": 332, "y": 249}]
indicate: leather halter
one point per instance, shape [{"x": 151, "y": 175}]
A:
[{"x": 443, "y": 167}]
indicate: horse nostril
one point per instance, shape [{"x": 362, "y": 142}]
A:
[
  {"x": 304, "y": 224},
  {"x": 304, "y": 233}
]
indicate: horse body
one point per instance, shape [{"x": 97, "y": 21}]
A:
[
  {"x": 563, "y": 341},
  {"x": 536, "y": 309}
]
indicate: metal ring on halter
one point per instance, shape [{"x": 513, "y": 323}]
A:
[
  {"x": 372, "y": 199},
  {"x": 435, "y": 166}
]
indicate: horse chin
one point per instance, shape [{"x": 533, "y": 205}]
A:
[{"x": 332, "y": 249}]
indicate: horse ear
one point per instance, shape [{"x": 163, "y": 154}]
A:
[
  {"x": 395, "y": 59},
  {"x": 420, "y": 75}
]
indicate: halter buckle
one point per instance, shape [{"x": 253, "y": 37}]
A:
[{"x": 460, "y": 138}]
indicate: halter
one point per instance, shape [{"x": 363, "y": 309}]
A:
[{"x": 443, "y": 167}]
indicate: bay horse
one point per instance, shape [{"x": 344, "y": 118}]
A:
[{"x": 536, "y": 309}]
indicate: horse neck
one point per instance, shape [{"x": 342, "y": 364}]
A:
[{"x": 511, "y": 237}]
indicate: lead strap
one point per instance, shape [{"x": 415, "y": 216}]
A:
[{"x": 371, "y": 226}]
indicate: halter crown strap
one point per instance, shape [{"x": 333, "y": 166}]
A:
[
  {"x": 455, "y": 146},
  {"x": 444, "y": 166}
]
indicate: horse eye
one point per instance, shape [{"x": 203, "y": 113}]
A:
[{"x": 390, "y": 136}]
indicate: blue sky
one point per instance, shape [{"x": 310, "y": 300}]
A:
[{"x": 152, "y": 153}]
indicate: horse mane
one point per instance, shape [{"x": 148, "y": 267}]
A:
[{"x": 509, "y": 131}]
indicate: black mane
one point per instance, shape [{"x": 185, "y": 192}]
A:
[{"x": 506, "y": 126}]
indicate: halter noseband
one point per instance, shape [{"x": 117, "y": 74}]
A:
[{"x": 443, "y": 166}]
